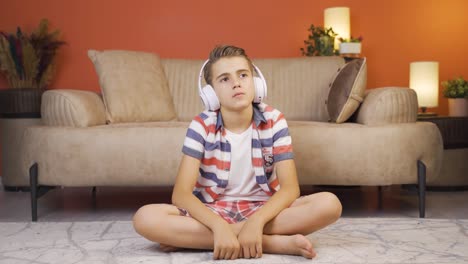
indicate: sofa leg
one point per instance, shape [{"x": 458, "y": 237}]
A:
[
  {"x": 33, "y": 185},
  {"x": 380, "y": 202},
  {"x": 93, "y": 192},
  {"x": 422, "y": 188},
  {"x": 36, "y": 190}
]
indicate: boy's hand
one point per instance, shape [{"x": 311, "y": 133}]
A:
[
  {"x": 250, "y": 238},
  {"x": 226, "y": 245}
]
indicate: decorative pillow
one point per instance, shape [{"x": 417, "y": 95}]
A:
[
  {"x": 347, "y": 90},
  {"x": 134, "y": 86}
]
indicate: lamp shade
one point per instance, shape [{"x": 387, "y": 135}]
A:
[
  {"x": 424, "y": 79},
  {"x": 338, "y": 19}
]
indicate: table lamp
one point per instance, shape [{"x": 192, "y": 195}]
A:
[
  {"x": 337, "y": 18},
  {"x": 424, "y": 80}
]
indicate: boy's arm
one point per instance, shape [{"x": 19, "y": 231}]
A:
[
  {"x": 285, "y": 196},
  {"x": 250, "y": 236},
  {"x": 252, "y": 231},
  {"x": 226, "y": 245},
  {"x": 285, "y": 171},
  {"x": 183, "y": 197}
]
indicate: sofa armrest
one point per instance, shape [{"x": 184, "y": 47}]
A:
[
  {"x": 389, "y": 105},
  {"x": 76, "y": 108}
]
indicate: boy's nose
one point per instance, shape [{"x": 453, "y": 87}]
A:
[{"x": 236, "y": 82}]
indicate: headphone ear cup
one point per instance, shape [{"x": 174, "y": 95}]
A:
[
  {"x": 260, "y": 90},
  {"x": 204, "y": 99},
  {"x": 209, "y": 98}
]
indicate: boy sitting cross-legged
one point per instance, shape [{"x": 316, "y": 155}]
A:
[{"x": 237, "y": 154}]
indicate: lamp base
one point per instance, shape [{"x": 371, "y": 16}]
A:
[
  {"x": 423, "y": 112},
  {"x": 426, "y": 114}
]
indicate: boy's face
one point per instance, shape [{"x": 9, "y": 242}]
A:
[{"x": 233, "y": 83}]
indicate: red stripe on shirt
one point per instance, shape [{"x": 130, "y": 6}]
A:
[
  {"x": 274, "y": 184},
  {"x": 202, "y": 122},
  {"x": 280, "y": 117},
  {"x": 211, "y": 193},
  {"x": 218, "y": 163},
  {"x": 282, "y": 149},
  {"x": 267, "y": 125},
  {"x": 257, "y": 162},
  {"x": 268, "y": 109}
]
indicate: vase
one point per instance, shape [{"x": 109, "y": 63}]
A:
[
  {"x": 350, "y": 48},
  {"x": 21, "y": 101},
  {"x": 458, "y": 107}
]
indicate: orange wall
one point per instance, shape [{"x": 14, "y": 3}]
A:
[{"x": 396, "y": 32}]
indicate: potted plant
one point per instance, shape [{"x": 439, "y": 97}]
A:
[
  {"x": 351, "y": 46},
  {"x": 28, "y": 63},
  {"x": 456, "y": 91},
  {"x": 320, "y": 42}
]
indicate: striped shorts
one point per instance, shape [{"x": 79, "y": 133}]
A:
[{"x": 231, "y": 211}]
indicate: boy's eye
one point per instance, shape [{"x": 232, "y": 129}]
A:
[
  {"x": 225, "y": 79},
  {"x": 243, "y": 75}
]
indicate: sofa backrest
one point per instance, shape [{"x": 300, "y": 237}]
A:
[{"x": 298, "y": 87}]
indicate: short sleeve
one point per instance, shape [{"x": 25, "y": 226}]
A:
[
  {"x": 282, "y": 143},
  {"x": 194, "y": 143}
]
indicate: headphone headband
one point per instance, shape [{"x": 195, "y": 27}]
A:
[{"x": 200, "y": 76}]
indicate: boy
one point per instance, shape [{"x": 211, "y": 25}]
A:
[{"x": 227, "y": 194}]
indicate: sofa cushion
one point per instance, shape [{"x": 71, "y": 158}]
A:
[
  {"x": 388, "y": 105},
  {"x": 134, "y": 86},
  {"x": 75, "y": 108},
  {"x": 347, "y": 90}
]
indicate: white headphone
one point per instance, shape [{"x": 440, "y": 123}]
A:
[{"x": 211, "y": 101}]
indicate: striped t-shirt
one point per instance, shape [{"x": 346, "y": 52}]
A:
[{"x": 206, "y": 141}]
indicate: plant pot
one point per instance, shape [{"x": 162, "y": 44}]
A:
[
  {"x": 23, "y": 101},
  {"x": 458, "y": 107},
  {"x": 350, "y": 48}
]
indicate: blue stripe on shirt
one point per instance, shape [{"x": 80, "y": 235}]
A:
[
  {"x": 282, "y": 133},
  {"x": 199, "y": 195},
  {"x": 283, "y": 156},
  {"x": 195, "y": 136},
  {"x": 203, "y": 116},
  {"x": 192, "y": 153},
  {"x": 266, "y": 142},
  {"x": 256, "y": 143},
  {"x": 213, "y": 177},
  {"x": 213, "y": 146},
  {"x": 261, "y": 179}
]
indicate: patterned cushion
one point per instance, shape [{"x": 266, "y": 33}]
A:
[{"x": 347, "y": 90}]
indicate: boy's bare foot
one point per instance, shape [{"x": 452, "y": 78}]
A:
[
  {"x": 167, "y": 248},
  {"x": 289, "y": 245}
]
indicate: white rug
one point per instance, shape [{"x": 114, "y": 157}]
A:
[{"x": 350, "y": 240}]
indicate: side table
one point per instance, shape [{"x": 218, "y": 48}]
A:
[
  {"x": 454, "y": 171},
  {"x": 12, "y": 127},
  {"x": 19, "y": 109}
]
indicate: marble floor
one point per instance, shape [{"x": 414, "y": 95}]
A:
[
  {"x": 119, "y": 204},
  {"x": 349, "y": 240},
  {"x": 376, "y": 228}
]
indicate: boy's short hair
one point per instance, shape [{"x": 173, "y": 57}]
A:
[{"x": 220, "y": 52}]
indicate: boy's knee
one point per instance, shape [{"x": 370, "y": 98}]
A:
[
  {"x": 331, "y": 206},
  {"x": 148, "y": 217},
  {"x": 140, "y": 219},
  {"x": 334, "y": 205}
]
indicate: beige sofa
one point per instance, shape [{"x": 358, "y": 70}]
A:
[{"x": 384, "y": 145}]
